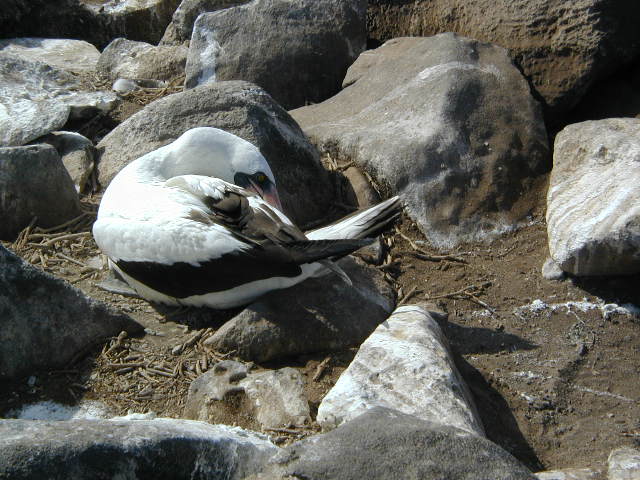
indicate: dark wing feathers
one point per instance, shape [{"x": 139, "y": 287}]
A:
[{"x": 280, "y": 242}]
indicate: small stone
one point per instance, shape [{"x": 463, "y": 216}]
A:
[
  {"x": 551, "y": 270},
  {"x": 273, "y": 398},
  {"x": 124, "y": 85}
]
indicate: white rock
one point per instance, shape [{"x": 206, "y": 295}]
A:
[
  {"x": 406, "y": 365},
  {"x": 66, "y": 54},
  {"x": 593, "y": 203},
  {"x": 36, "y": 99},
  {"x": 124, "y": 85},
  {"x": 551, "y": 270},
  {"x": 624, "y": 464},
  {"x": 48, "y": 410},
  {"x": 570, "y": 474}
]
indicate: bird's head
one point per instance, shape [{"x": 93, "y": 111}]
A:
[{"x": 216, "y": 153}]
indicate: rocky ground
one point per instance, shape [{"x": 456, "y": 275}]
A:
[
  {"x": 503, "y": 135},
  {"x": 548, "y": 362}
]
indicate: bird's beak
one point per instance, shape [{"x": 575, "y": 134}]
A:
[{"x": 269, "y": 194}]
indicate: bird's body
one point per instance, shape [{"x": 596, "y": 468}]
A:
[{"x": 180, "y": 230}]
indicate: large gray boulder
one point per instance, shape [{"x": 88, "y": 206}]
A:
[
  {"x": 384, "y": 444},
  {"x": 138, "y": 60},
  {"x": 405, "y": 365},
  {"x": 270, "y": 398},
  {"x": 316, "y": 315},
  {"x": 65, "y": 54},
  {"x": 562, "y": 47},
  {"x": 34, "y": 183},
  {"x": 297, "y": 50},
  {"x": 36, "y": 98},
  {"x": 242, "y": 109},
  {"x": 448, "y": 123},
  {"x": 593, "y": 202},
  {"x": 160, "y": 449},
  {"x": 46, "y": 322},
  {"x": 181, "y": 26}
]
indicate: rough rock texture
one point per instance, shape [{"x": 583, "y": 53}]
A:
[
  {"x": 70, "y": 55},
  {"x": 36, "y": 99},
  {"x": 384, "y": 444},
  {"x": 141, "y": 20},
  {"x": 571, "y": 474},
  {"x": 181, "y": 26},
  {"x": 160, "y": 449},
  {"x": 297, "y": 50},
  {"x": 138, "y": 60},
  {"x": 563, "y": 47},
  {"x": 46, "y": 321},
  {"x": 551, "y": 270},
  {"x": 624, "y": 464},
  {"x": 97, "y": 22},
  {"x": 244, "y": 110},
  {"x": 446, "y": 122},
  {"x": 315, "y": 315},
  {"x": 405, "y": 365},
  {"x": 77, "y": 153},
  {"x": 34, "y": 183},
  {"x": 275, "y": 398},
  {"x": 593, "y": 203}
]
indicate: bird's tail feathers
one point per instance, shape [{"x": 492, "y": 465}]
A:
[
  {"x": 362, "y": 224},
  {"x": 308, "y": 251}
]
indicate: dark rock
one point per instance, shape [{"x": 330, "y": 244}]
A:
[
  {"x": 34, "y": 183},
  {"x": 138, "y": 60},
  {"x": 77, "y": 153},
  {"x": 297, "y": 50},
  {"x": 244, "y": 110},
  {"x": 561, "y": 47},
  {"x": 364, "y": 195},
  {"x": 96, "y": 22},
  {"x": 159, "y": 449},
  {"x": 318, "y": 314},
  {"x": 46, "y": 322},
  {"x": 448, "y": 123},
  {"x": 384, "y": 444}
]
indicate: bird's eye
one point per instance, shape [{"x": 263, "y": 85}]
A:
[{"x": 261, "y": 177}]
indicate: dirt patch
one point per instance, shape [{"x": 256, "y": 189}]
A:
[{"x": 551, "y": 367}]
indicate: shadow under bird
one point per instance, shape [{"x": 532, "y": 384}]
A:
[{"x": 198, "y": 222}]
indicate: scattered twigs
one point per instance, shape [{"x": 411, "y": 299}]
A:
[
  {"x": 410, "y": 293},
  {"x": 469, "y": 293},
  {"x": 423, "y": 255},
  {"x": 320, "y": 369}
]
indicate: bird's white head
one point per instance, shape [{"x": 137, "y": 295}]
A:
[{"x": 216, "y": 153}]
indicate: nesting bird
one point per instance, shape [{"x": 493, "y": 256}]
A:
[{"x": 199, "y": 222}]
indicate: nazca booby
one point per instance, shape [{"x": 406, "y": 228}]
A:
[{"x": 198, "y": 222}]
